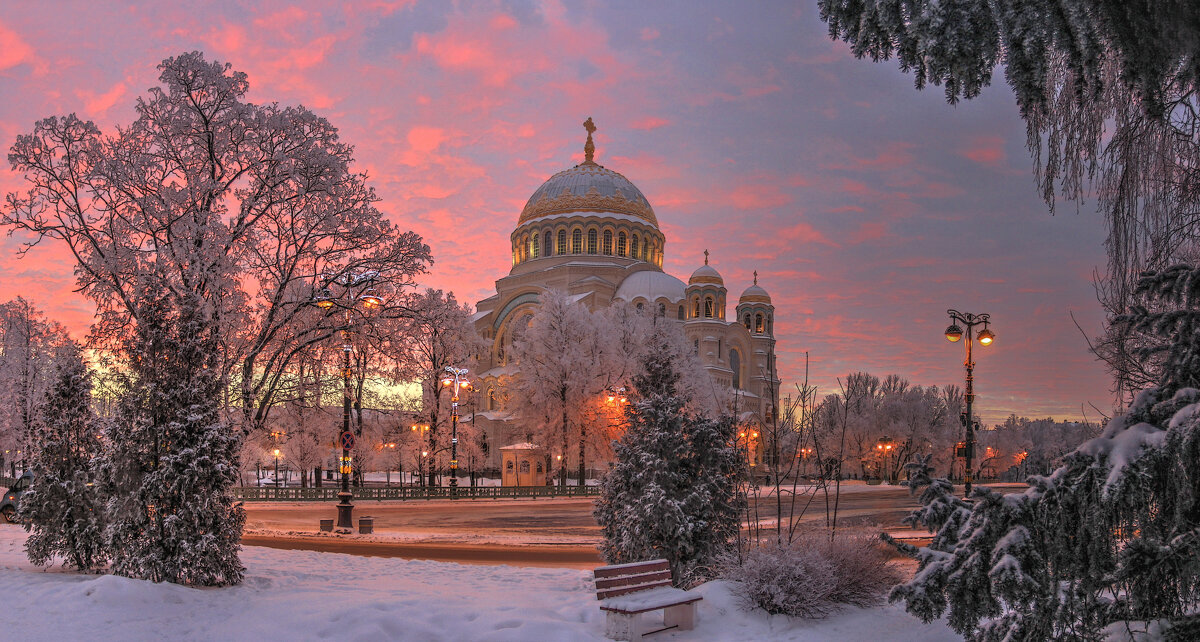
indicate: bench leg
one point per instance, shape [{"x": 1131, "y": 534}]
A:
[
  {"x": 682, "y": 616},
  {"x": 622, "y": 626}
]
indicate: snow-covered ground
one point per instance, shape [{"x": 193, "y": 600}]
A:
[{"x": 301, "y": 595}]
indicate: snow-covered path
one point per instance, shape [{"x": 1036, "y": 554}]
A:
[{"x": 303, "y": 595}]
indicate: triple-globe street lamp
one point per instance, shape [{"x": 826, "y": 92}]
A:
[
  {"x": 986, "y": 337},
  {"x": 356, "y": 291},
  {"x": 456, "y": 380}
]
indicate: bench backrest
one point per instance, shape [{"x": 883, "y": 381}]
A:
[{"x": 622, "y": 579}]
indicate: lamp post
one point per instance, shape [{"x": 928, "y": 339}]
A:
[
  {"x": 368, "y": 298},
  {"x": 456, "y": 380},
  {"x": 885, "y": 447},
  {"x": 420, "y": 429},
  {"x": 986, "y": 337},
  {"x": 276, "y": 468}
]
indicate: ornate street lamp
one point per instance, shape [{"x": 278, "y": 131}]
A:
[
  {"x": 276, "y": 468},
  {"x": 986, "y": 337},
  {"x": 356, "y": 291},
  {"x": 456, "y": 380}
]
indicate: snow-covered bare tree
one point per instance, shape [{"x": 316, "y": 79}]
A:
[
  {"x": 559, "y": 375},
  {"x": 252, "y": 208},
  {"x": 61, "y": 508},
  {"x": 434, "y": 333},
  {"x": 28, "y": 345}
]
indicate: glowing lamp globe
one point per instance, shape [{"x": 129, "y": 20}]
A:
[
  {"x": 986, "y": 337},
  {"x": 953, "y": 333}
]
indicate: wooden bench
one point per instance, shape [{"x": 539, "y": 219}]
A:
[{"x": 628, "y": 590}]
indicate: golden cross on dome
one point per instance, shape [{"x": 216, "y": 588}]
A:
[
  {"x": 706, "y": 257},
  {"x": 589, "y": 148},
  {"x": 756, "y": 277}
]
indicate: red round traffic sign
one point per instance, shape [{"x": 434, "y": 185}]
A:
[{"x": 347, "y": 440}]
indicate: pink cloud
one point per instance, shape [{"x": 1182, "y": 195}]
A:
[
  {"x": 426, "y": 139},
  {"x": 986, "y": 150},
  {"x": 14, "y": 50},
  {"x": 752, "y": 197},
  {"x": 96, "y": 104},
  {"x": 650, "y": 122},
  {"x": 649, "y": 33}
]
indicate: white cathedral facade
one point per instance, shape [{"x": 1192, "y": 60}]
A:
[{"x": 590, "y": 232}]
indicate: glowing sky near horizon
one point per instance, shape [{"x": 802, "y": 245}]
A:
[{"x": 867, "y": 207}]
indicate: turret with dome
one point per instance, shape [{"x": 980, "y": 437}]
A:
[{"x": 589, "y": 231}]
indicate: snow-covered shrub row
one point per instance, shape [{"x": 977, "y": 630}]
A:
[{"x": 813, "y": 576}]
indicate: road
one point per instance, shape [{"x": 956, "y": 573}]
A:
[{"x": 524, "y": 532}]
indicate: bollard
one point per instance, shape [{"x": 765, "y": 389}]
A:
[
  {"x": 366, "y": 525},
  {"x": 327, "y": 525}
]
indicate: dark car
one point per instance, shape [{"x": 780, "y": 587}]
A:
[{"x": 8, "y": 506}]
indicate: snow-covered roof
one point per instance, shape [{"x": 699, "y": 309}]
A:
[
  {"x": 499, "y": 371},
  {"x": 651, "y": 285},
  {"x": 524, "y": 446}
]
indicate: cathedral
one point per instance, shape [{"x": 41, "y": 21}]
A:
[{"x": 590, "y": 232}]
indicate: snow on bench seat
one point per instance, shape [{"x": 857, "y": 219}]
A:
[
  {"x": 648, "y": 600},
  {"x": 626, "y": 591}
]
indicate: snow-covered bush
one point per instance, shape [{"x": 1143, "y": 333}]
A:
[
  {"x": 672, "y": 490},
  {"x": 812, "y": 576},
  {"x": 61, "y": 509}
]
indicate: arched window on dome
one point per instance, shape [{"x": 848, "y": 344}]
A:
[
  {"x": 758, "y": 323},
  {"x": 696, "y": 308},
  {"x": 662, "y": 309},
  {"x": 621, "y": 244},
  {"x": 681, "y": 312},
  {"x": 708, "y": 307},
  {"x": 592, "y": 241},
  {"x": 747, "y": 322},
  {"x": 646, "y": 250},
  {"x": 577, "y": 241},
  {"x": 607, "y": 247},
  {"x": 735, "y": 364},
  {"x": 770, "y": 323},
  {"x": 548, "y": 246},
  {"x": 491, "y": 399},
  {"x": 633, "y": 247},
  {"x": 562, "y": 242},
  {"x": 533, "y": 248},
  {"x": 641, "y": 307}
]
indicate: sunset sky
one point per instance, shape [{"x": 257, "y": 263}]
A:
[{"x": 867, "y": 207}]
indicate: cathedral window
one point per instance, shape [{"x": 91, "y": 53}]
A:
[
  {"x": 696, "y": 308},
  {"x": 640, "y": 307},
  {"x": 607, "y": 247},
  {"x": 491, "y": 399},
  {"x": 562, "y": 242},
  {"x": 735, "y": 364},
  {"x": 662, "y": 309},
  {"x": 758, "y": 324},
  {"x": 577, "y": 242},
  {"x": 633, "y": 247},
  {"x": 696, "y": 346},
  {"x": 708, "y": 307},
  {"x": 747, "y": 322},
  {"x": 591, "y": 241},
  {"x": 621, "y": 244},
  {"x": 681, "y": 313},
  {"x": 718, "y": 349},
  {"x": 524, "y": 467},
  {"x": 548, "y": 248},
  {"x": 770, "y": 322},
  {"x": 533, "y": 250}
]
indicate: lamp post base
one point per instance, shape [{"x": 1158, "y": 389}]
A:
[{"x": 345, "y": 509}]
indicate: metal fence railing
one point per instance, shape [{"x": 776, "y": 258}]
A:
[
  {"x": 329, "y": 493},
  {"x": 284, "y": 494}
]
